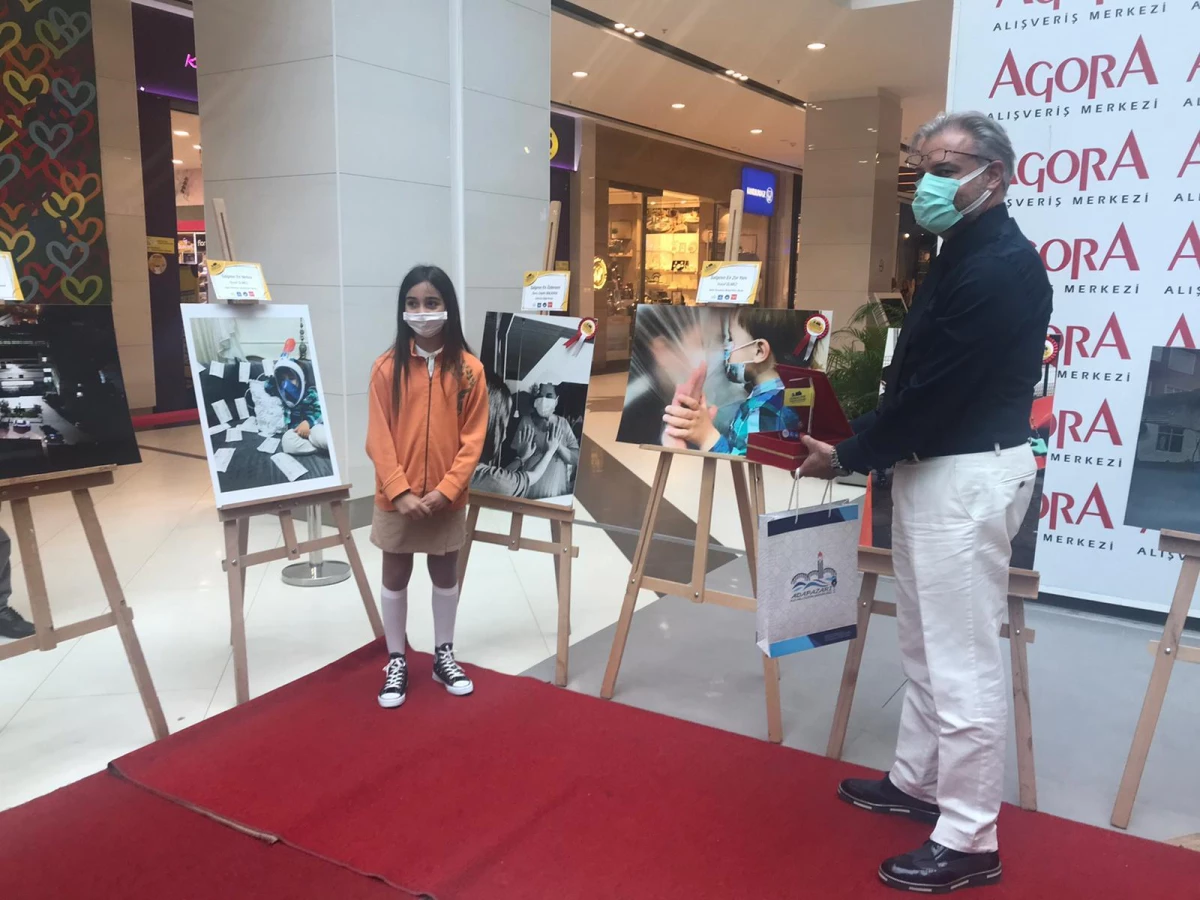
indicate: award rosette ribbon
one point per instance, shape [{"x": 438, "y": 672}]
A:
[
  {"x": 1050, "y": 353},
  {"x": 586, "y": 333},
  {"x": 815, "y": 329}
]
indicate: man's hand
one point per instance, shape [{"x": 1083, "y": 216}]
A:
[
  {"x": 434, "y": 501},
  {"x": 304, "y": 430},
  {"x": 690, "y": 420},
  {"x": 410, "y": 506},
  {"x": 819, "y": 462}
]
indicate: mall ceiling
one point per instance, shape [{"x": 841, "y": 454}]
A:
[{"x": 902, "y": 46}]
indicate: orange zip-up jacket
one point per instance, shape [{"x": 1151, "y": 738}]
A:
[{"x": 434, "y": 441}]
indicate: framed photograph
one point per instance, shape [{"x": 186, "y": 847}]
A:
[
  {"x": 725, "y": 362},
  {"x": 537, "y": 370},
  {"x": 261, "y": 401},
  {"x": 1164, "y": 488},
  {"x": 62, "y": 396}
]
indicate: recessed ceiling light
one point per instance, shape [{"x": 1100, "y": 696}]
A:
[
  {"x": 756, "y": 131},
  {"x": 816, "y": 45},
  {"x": 619, "y": 26},
  {"x": 195, "y": 146},
  {"x": 744, "y": 77},
  {"x": 639, "y": 34},
  {"x": 730, "y": 72},
  {"x": 677, "y": 105},
  {"x": 579, "y": 74},
  {"x": 629, "y": 29},
  {"x": 863, "y": 161},
  {"x": 873, "y": 130},
  {"x": 178, "y": 162},
  {"x": 180, "y": 133},
  {"x": 907, "y": 235}
]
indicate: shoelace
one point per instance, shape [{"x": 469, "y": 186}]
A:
[
  {"x": 451, "y": 670},
  {"x": 395, "y": 672}
]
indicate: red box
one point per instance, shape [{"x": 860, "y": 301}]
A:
[{"x": 828, "y": 422}]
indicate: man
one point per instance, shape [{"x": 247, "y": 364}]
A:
[
  {"x": 12, "y": 626},
  {"x": 954, "y": 420}
]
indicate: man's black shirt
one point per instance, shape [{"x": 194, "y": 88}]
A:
[{"x": 969, "y": 355}]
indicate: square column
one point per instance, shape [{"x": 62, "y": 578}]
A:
[
  {"x": 850, "y": 208},
  {"x": 354, "y": 139}
]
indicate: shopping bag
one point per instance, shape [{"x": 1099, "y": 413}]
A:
[{"x": 808, "y": 577}]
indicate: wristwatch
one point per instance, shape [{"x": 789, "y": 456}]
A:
[{"x": 838, "y": 469}]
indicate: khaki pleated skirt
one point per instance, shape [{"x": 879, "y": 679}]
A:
[{"x": 438, "y": 535}]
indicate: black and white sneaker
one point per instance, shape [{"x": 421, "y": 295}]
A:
[
  {"x": 395, "y": 682},
  {"x": 12, "y": 626},
  {"x": 448, "y": 673}
]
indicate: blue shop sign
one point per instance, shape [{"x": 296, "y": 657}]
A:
[{"x": 759, "y": 187}]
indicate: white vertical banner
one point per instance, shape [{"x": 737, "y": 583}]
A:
[{"x": 1102, "y": 101}]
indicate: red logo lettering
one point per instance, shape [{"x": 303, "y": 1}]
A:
[
  {"x": 1193, "y": 156},
  {"x": 1191, "y": 241},
  {"x": 1073, "y": 74},
  {"x": 1183, "y": 334},
  {"x": 1075, "y": 341},
  {"x": 1080, "y": 168},
  {"x": 1067, "y": 423},
  {"x": 1059, "y": 254},
  {"x": 1061, "y": 506}
]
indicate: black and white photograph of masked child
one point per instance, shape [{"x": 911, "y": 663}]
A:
[
  {"x": 258, "y": 387},
  {"x": 537, "y": 370}
]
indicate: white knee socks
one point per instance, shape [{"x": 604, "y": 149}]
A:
[
  {"x": 445, "y": 608},
  {"x": 395, "y": 618}
]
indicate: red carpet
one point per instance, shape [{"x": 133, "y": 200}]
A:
[
  {"x": 527, "y": 791},
  {"x": 104, "y": 838}
]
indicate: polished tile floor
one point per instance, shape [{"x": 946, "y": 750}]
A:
[{"x": 66, "y": 713}]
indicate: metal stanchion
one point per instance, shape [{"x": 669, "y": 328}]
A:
[{"x": 316, "y": 571}]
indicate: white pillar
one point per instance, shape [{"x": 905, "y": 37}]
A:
[
  {"x": 849, "y": 208},
  {"x": 353, "y": 139},
  {"x": 124, "y": 203}
]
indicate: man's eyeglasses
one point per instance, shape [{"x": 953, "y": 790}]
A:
[{"x": 936, "y": 157}]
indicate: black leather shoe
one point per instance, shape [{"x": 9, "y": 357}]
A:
[
  {"x": 934, "y": 869},
  {"x": 884, "y": 797}
]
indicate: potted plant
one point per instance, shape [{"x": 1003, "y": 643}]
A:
[{"x": 855, "y": 366}]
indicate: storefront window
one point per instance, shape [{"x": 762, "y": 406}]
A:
[
  {"x": 625, "y": 266},
  {"x": 674, "y": 249}
]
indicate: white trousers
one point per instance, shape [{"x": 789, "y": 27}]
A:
[{"x": 953, "y": 520}]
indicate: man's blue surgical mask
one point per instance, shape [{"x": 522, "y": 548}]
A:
[{"x": 933, "y": 206}]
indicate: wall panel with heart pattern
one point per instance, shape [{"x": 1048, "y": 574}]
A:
[{"x": 51, "y": 204}]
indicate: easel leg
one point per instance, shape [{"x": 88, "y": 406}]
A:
[
  {"x": 635, "y": 576},
  {"x": 341, "y": 519},
  {"x": 750, "y": 503},
  {"x": 1023, "y": 713},
  {"x": 237, "y": 608},
  {"x": 465, "y": 553},
  {"x": 561, "y": 532},
  {"x": 121, "y": 614},
  {"x": 35, "y": 576},
  {"x": 1160, "y": 677},
  {"x": 708, "y": 484},
  {"x": 841, "y": 713},
  {"x": 243, "y": 543}
]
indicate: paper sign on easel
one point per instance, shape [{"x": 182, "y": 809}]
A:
[
  {"x": 10, "y": 284},
  {"x": 236, "y": 282},
  {"x": 728, "y": 283},
  {"x": 545, "y": 291}
]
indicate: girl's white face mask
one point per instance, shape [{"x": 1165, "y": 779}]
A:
[{"x": 426, "y": 324}]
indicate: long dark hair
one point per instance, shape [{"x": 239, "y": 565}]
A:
[{"x": 454, "y": 343}]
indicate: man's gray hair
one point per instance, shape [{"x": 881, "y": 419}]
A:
[{"x": 990, "y": 138}]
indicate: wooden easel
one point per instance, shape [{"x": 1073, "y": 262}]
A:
[
  {"x": 236, "y": 519},
  {"x": 1165, "y": 651},
  {"x": 1022, "y": 585},
  {"x": 561, "y": 519},
  {"x": 750, "y": 502},
  {"x": 18, "y": 492}
]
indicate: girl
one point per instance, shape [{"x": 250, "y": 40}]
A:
[{"x": 426, "y": 425}]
